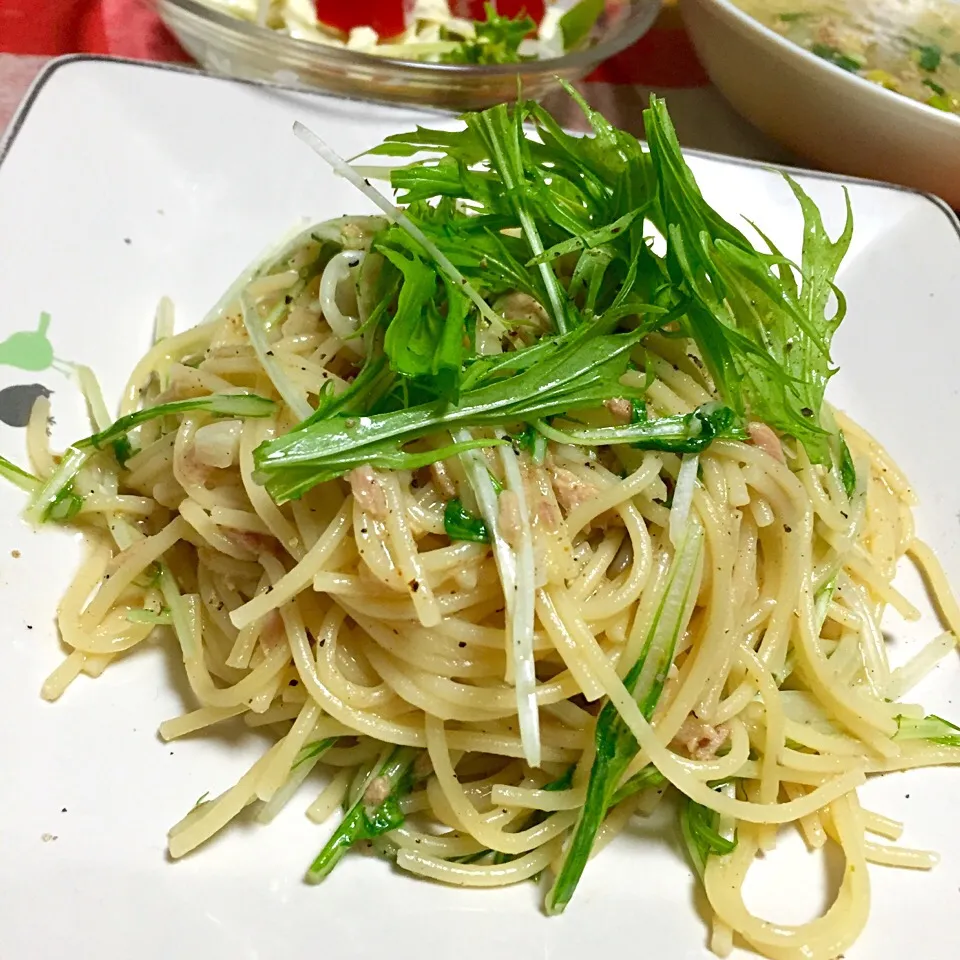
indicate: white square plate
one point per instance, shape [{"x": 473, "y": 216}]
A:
[{"x": 123, "y": 182}]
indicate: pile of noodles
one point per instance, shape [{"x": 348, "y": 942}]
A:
[{"x": 351, "y": 614}]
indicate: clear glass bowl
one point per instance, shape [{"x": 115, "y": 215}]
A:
[{"x": 226, "y": 45}]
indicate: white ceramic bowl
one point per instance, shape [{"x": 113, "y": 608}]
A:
[{"x": 833, "y": 118}]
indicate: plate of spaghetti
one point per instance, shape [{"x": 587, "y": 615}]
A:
[{"x": 502, "y": 549}]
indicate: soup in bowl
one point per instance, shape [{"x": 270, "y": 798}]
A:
[
  {"x": 861, "y": 87},
  {"x": 908, "y": 46}
]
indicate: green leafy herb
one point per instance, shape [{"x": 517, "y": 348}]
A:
[
  {"x": 931, "y": 728},
  {"x": 552, "y": 187},
  {"x": 66, "y": 505},
  {"x": 928, "y": 56},
  {"x": 848, "y": 472},
  {"x": 698, "y": 825},
  {"x": 526, "y": 439},
  {"x": 532, "y": 441},
  {"x": 578, "y": 21},
  {"x": 459, "y": 524},
  {"x": 837, "y": 57},
  {"x": 149, "y": 577},
  {"x": 374, "y": 382},
  {"x": 496, "y": 39},
  {"x": 363, "y": 822},
  {"x": 934, "y": 86},
  {"x": 509, "y": 154},
  {"x": 420, "y": 340},
  {"x": 686, "y": 433},
  {"x": 508, "y": 205},
  {"x": 764, "y": 340},
  {"x": 580, "y": 369},
  {"x": 794, "y": 16},
  {"x": 821, "y": 602},
  {"x": 201, "y": 799},
  {"x": 57, "y": 499},
  {"x": 311, "y": 751},
  {"x": 284, "y": 482},
  {"x": 25, "y": 481},
  {"x": 218, "y": 404},
  {"x": 563, "y": 782},
  {"x": 179, "y": 611},
  {"x": 122, "y": 450},
  {"x": 593, "y": 239},
  {"x": 616, "y": 745},
  {"x": 646, "y": 779}
]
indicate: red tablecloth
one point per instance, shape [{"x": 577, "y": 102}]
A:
[{"x": 126, "y": 28}]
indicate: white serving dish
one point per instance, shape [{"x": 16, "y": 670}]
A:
[
  {"x": 200, "y": 174},
  {"x": 835, "y": 119}
]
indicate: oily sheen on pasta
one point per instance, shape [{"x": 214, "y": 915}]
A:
[{"x": 492, "y": 608}]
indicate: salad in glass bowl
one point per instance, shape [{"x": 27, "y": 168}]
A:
[
  {"x": 459, "y": 31},
  {"x": 458, "y": 54}
]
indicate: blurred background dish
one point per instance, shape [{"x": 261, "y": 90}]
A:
[
  {"x": 436, "y": 31},
  {"x": 437, "y": 58},
  {"x": 863, "y": 87}
]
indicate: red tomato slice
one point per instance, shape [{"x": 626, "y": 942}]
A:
[
  {"x": 474, "y": 9},
  {"x": 387, "y": 16},
  {"x": 384, "y": 16}
]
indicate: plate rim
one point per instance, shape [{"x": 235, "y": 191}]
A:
[{"x": 47, "y": 72}]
